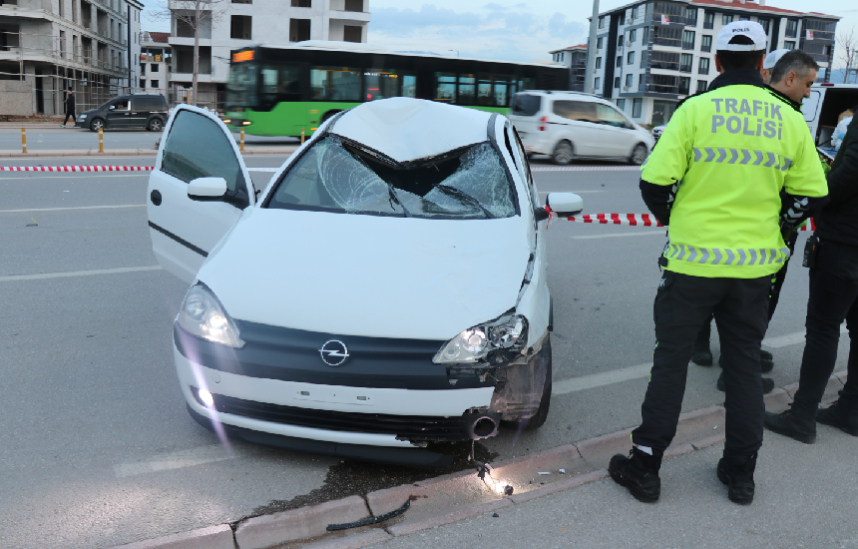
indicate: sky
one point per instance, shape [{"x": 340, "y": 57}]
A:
[{"x": 511, "y": 30}]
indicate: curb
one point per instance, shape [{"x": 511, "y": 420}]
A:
[{"x": 435, "y": 498}]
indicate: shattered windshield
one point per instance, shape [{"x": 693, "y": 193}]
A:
[{"x": 337, "y": 176}]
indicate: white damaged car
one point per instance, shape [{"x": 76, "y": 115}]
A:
[{"x": 385, "y": 290}]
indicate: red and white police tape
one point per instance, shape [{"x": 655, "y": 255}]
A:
[
  {"x": 75, "y": 168},
  {"x": 639, "y": 220}
]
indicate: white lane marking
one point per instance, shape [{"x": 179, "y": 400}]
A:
[
  {"x": 576, "y": 192},
  {"x": 39, "y": 176},
  {"x": 790, "y": 339},
  {"x": 617, "y": 235},
  {"x": 574, "y": 384},
  {"x": 73, "y": 208},
  {"x": 174, "y": 460},
  {"x": 72, "y": 274},
  {"x": 269, "y": 170}
]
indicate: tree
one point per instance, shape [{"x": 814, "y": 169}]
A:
[
  {"x": 847, "y": 43},
  {"x": 195, "y": 15}
]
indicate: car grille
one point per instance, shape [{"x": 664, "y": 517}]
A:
[{"x": 414, "y": 428}]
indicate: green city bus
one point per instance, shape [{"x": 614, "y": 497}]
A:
[{"x": 282, "y": 90}]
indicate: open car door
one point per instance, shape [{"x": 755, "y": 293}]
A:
[{"x": 197, "y": 191}]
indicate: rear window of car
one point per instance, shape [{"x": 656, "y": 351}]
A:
[
  {"x": 338, "y": 176},
  {"x": 525, "y": 104},
  {"x": 149, "y": 103}
]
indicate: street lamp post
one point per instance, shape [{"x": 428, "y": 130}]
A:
[{"x": 589, "y": 75}]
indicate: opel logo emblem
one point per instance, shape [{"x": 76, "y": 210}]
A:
[{"x": 334, "y": 352}]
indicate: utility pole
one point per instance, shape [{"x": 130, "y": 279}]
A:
[{"x": 589, "y": 78}]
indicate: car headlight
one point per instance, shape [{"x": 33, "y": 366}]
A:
[
  {"x": 504, "y": 336},
  {"x": 202, "y": 315},
  {"x": 82, "y": 117}
]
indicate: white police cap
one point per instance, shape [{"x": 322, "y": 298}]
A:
[
  {"x": 772, "y": 59},
  {"x": 751, "y": 29}
]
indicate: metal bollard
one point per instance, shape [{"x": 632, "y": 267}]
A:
[
  {"x": 24, "y": 139},
  {"x": 101, "y": 140},
  {"x": 302, "y": 136},
  {"x": 242, "y": 140}
]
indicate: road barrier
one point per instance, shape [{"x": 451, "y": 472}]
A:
[
  {"x": 241, "y": 147},
  {"x": 24, "y": 139},
  {"x": 640, "y": 220},
  {"x": 75, "y": 168},
  {"x": 101, "y": 140}
]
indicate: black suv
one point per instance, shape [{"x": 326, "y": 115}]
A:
[{"x": 137, "y": 110}]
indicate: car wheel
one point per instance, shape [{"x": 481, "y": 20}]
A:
[
  {"x": 539, "y": 417},
  {"x": 328, "y": 115},
  {"x": 639, "y": 154},
  {"x": 96, "y": 124},
  {"x": 563, "y": 153},
  {"x": 155, "y": 125}
]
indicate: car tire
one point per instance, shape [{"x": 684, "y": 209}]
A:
[
  {"x": 539, "y": 417},
  {"x": 639, "y": 154},
  {"x": 564, "y": 153},
  {"x": 328, "y": 115},
  {"x": 155, "y": 125},
  {"x": 96, "y": 124}
]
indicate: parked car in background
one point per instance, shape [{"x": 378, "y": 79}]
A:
[
  {"x": 387, "y": 289},
  {"x": 569, "y": 125},
  {"x": 657, "y": 131},
  {"x": 144, "y": 111},
  {"x": 822, "y": 109}
]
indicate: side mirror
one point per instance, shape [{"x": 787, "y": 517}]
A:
[
  {"x": 565, "y": 204},
  {"x": 207, "y": 187}
]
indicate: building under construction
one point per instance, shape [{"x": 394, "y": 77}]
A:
[{"x": 49, "y": 46}]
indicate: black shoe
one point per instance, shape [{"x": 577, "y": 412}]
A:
[
  {"x": 768, "y": 384},
  {"x": 638, "y": 473},
  {"x": 739, "y": 479},
  {"x": 702, "y": 357},
  {"x": 841, "y": 414},
  {"x": 766, "y": 355},
  {"x": 793, "y": 424}
]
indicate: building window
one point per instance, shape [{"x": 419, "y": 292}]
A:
[
  {"x": 685, "y": 62},
  {"x": 156, "y": 84},
  {"x": 633, "y": 35},
  {"x": 684, "y": 85},
  {"x": 701, "y": 86},
  {"x": 709, "y": 20},
  {"x": 629, "y": 80},
  {"x": 354, "y": 5},
  {"x": 142, "y": 69},
  {"x": 745, "y": 18},
  {"x": 764, "y": 23},
  {"x": 666, "y": 36},
  {"x": 301, "y": 4},
  {"x": 691, "y": 16},
  {"x": 791, "y": 28},
  {"x": 703, "y": 68},
  {"x": 597, "y": 83},
  {"x": 789, "y": 45},
  {"x": 299, "y": 30},
  {"x": 726, "y": 19},
  {"x": 619, "y": 61},
  {"x": 242, "y": 1},
  {"x": 352, "y": 33},
  {"x": 688, "y": 40},
  {"x": 636, "y": 107},
  {"x": 598, "y": 63},
  {"x": 154, "y": 68},
  {"x": 617, "y": 82},
  {"x": 621, "y": 104},
  {"x": 635, "y": 12},
  {"x": 142, "y": 83},
  {"x": 706, "y": 43},
  {"x": 641, "y": 82},
  {"x": 630, "y": 58},
  {"x": 602, "y": 22},
  {"x": 240, "y": 27},
  {"x": 620, "y": 40},
  {"x": 598, "y": 43},
  {"x": 645, "y": 36}
]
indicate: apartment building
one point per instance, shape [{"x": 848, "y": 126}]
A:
[
  {"x": 574, "y": 57},
  {"x": 156, "y": 60},
  {"x": 52, "y": 45},
  {"x": 650, "y": 55},
  {"x": 241, "y": 23}
]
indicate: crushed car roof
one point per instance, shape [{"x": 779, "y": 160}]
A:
[{"x": 407, "y": 129}]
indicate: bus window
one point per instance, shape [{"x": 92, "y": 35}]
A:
[
  {"x": 409, "y": 86},
  {"x": 379, "y": 84},
  {"x": 281, "y": 83},
  {"x": 492, "y": 91},
  {"x": 335, "y": 84},
  {"x": 467, "y": 90},
  {"x": 445, "y": 88}
]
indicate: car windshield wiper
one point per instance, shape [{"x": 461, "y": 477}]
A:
[
  {"x": 464, "y": 197},
  {"x": 394, "y": 198}
]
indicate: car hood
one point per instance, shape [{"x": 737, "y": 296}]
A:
[{"x": 368, "y": 275}]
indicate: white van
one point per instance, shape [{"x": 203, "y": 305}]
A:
[
  {"x": 570, "y": 125},
  {"x": 824, "y": 105}
]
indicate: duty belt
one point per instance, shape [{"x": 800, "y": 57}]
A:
[{"x": 725, "y": 256}]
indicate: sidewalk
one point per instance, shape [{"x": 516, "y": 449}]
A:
[{"x": 248, "y": 150}]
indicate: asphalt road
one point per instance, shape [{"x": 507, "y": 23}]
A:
[{"x": 96, "y": 447}]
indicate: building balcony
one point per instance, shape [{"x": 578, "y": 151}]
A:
[
  {"x": 188, "y": 41},
  {"x": 189, "y": 77},
  {"x": 353, "y": 17}
]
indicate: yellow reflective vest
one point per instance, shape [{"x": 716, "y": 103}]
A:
[{"x": 731, "y": 151}]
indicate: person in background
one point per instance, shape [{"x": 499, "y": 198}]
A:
[
  {"x": 726, "y": 217},
  {"x": 69, "y": 103},
  {"x": 769, "y": 64},
  {"x": 842, "y": 126}
]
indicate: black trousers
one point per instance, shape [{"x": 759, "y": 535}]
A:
[
  {"x": 70, "y": 113},
  {"x": 833, "y": 299},
  {"x": 682, "y": 303},
  {"x": 774, "y": 296}
]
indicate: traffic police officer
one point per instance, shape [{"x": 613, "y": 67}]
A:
[{"x": 716, "y": 180}]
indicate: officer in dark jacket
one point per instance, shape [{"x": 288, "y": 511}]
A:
[
  {"x": 69, "y": 101},
  {"x": 833, "y": 298}
]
